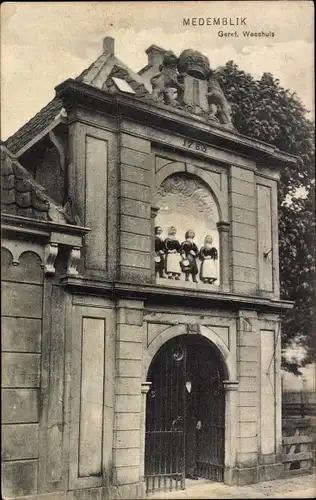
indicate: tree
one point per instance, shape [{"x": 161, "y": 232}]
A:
[{"x": 262, "y": 109}]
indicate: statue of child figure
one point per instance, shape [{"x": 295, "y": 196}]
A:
[
  {"x": 208, "y": 255},
  {"x": 172, "y": 246},
  {"x": 189, "y": 252},
  {"x": 159, "y": 253}
]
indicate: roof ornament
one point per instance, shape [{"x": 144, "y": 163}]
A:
[
  {"x": 166, "y": 82},
  {"x": 219, "y": 107},
  {"x": 187, "y": 82}
]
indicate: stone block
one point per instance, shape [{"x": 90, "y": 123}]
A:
[
  {"x": 130, "y": 317},
  {"x": 136, "y": 143},
  {"x": 248, "y": 339},
  {"x": 248, "y": 354},
  {"x": 248, "y": 399},
  {"x": 128, "y": 385},
  {"x": 129, "y": 350},
  {"x": 21, "y": 334},
  {"x": 20, "y": 369},
  {"x": 127, "y": 404},
  {"x": 245, "y": 288},
  {"x": 126, "y": 475},
  {"x": 244, "y": 231},
  {"x": 135, "y": 258},
  {"x": 242, "y": 187},
  {"x": 131, "y": 303},
  {"x": 244, "y": 260},
  {"x": 135, "y": 174},
  {"x": 126, "y": 457},
  {"x": 136, "y": 242},
  {"x": 244, "y": 274},
  {"x": 247, "y": 476},
  {"x": 247, "y": 429},
  {"x": 87, "y": 494},
  {"x": 270, "y": 472},
  {"x": 129, "y": 333},
  {"x": 129, "y": 368},
  {"x": 20, "y": 405},
  {"x": 135, "y": 208},
  {"x": 126, "y": 439},
  {"x": 19, "y": 441},
  {"x": 241, "y": 201},
  {"x": 242, "y": 174},
  {"x": 248, "y": 369},
  {"x": 248, "y": 384},
  {"x": 19, "y": 478},
  {"x": 247, "y": 459},
  {"x": 131, "y": 491},
  {"x": 244, "y": 216},
  {"x": 126, "y": 421},
  {"x": 248, "y": 444},
  {"x": 21, "y": 299},
  {"x": 135, "y": 191},
  {"x": 135, "y": 158},
  {"x": 56, "y": 495},
  {"x": 138, "y": 275},
  {"x": 248, "y": 414},
  {"x": 240, "y": 244},
  {"x": 136, "y": 225}
]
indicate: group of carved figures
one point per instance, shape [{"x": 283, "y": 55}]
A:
[
  {"x": 170, "y": 78},
  {"x": 173, "y": 258}
]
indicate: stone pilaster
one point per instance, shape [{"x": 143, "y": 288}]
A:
[
  {"x": 248, "y": 357},
  {"x": 128, "y": 404},
  {"x": 223, "y": 229},
  {"x": 145, "y": 389},
  {"x": 231, "y": 388}
]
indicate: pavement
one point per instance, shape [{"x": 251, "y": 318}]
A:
[{"x": 295, "y": 487}]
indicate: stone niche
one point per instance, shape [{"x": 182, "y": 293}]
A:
[{"x": 186, "y": 202}]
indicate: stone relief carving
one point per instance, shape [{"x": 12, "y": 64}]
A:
[
  {"x": 187, "y": 82},
  {"x": 185, "y": 202}
]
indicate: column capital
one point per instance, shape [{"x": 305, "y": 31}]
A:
[
  {"x": 223, "y": 226},
  {"x": 145, "y": 387},
  {"x": 231, "y": 385}
]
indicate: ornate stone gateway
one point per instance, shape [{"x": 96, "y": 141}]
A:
[{"x": 185, "y": 415}]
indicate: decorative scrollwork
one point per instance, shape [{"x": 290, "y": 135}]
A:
[{"x": 178, "y": 352}]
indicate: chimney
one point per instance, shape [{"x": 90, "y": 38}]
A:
[
  {"x": 155, "y": 55},
  {"x": 108, "y": 45}
]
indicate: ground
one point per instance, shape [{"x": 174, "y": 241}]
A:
[{"x": 296, "y": 487}]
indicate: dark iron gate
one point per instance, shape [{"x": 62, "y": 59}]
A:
[{"x": 187, "y": 386}]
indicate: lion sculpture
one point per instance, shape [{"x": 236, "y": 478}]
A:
[
  {"x": 220, "y": 109},
  {"x": 166, "y": 81}
]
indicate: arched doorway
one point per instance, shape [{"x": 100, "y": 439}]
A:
[{"x": 185, "y": 414}]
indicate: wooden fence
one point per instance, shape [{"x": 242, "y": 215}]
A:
[
  {"x": 298, "y": 404},
  {"x": 297, "y": 446}
]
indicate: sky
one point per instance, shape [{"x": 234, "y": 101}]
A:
[{"x": 44, "y": 43}]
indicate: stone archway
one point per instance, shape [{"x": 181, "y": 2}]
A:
[
  {"x": 185, "y": 413},
  {"x": 230, "y": 386}
]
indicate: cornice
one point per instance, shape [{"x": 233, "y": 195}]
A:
[
  {"x": 35, "y": 227},
  {"x": 185, "y": 296},
  {"x": 74, "y": 92}
]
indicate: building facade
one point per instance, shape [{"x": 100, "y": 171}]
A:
[{"x": 140, "y": 309}]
